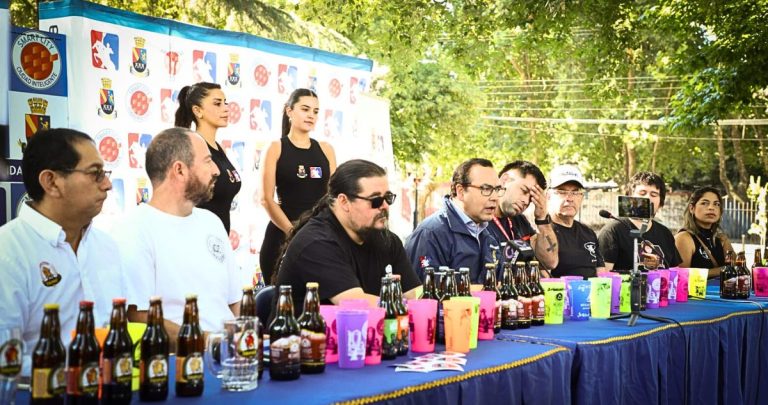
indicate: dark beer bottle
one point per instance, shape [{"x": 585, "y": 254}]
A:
[
  {"x": 117, "y": 358},
  {"x": 49, "y": 377},
  {"x": 386, "y": 301},
  {"x": 153, "y": 364},
  {"x": 83, "y": 373},
  {"x": 537, "y": 295},
  {"x": 524, "y": 302},
  {"x": 508, "y": 299},
  {"x": 447, "y": 289},
  {"x": 312, "y": 327},
  {"x": 490, "y": 285},
  {"x": 744, "y": 276},
  {"x": 728, "y": 278},
  {"x": 285, "y": 340},
  {"x": 429, "y": 289},
  {"x": 403, "y": 327},
  {"x": 248, "y": 309},
  {"x": 464, "y": 282},
  {"x": 189, "y": 352}
]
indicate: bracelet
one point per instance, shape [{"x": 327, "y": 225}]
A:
[{"x": 546, "y": 221}]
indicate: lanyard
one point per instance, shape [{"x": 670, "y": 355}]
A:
[{"x": 501, "y": 228}]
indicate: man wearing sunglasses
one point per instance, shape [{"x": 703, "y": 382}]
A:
[
  {"x": 343, "y": 243},
  {"x": 51, "y": 253},
  {"x": 457, "y": 235}
]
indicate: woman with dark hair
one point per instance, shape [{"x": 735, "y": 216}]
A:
[
  {"x": 205, "y": 105},
  {"x": 701, "y": 243},
  {"x": 297, "y": 167}
]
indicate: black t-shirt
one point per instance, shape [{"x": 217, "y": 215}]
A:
[
  {"x": 323, "y": 252},
  {"x": 301, "y": 177},
  {"x": 516, "y": 228},
  {"x": 578, "y": 253},
  {"x": 616, "y": 244},
  {"x": 700, "y": 259},
  {"x": 226, "y": 188}
]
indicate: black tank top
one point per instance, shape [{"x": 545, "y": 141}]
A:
[
  {"x": 700, "y": 259},
  {"x": 226, "y": 188},
  {"x": 301, "y": 177}
]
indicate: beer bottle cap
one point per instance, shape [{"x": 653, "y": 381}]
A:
[
  {"x": 285, "y": 287},
  {"x": 312, "y": 284},
  {"x": 118, "y": 301},
  {"x": 191, "y": 297},
  {"x": 86, "y": 304},
  {"x": 519, "y": 263},
  {"x": 51, "y": 306},
  {"x": 155, "y": 298},
  {"x": 534, "y": 262},
  {"x": 463, "y": 269}
]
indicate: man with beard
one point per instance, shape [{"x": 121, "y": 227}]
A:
[
  {"x": 171, "y": 248},
  {"x": 343, "y": 243}
]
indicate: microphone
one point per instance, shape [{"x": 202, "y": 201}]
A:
[{"x": 607, "y": 215}]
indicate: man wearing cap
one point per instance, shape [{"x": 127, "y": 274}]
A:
[
  {"x": 525, "y": 184},
  {"x": 577, "y": 243}
]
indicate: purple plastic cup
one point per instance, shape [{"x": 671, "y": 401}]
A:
[
  {"x": 673, "y": 285},
  {"x": 352, "y": 328},
  {"x": 654, "y": 288}
]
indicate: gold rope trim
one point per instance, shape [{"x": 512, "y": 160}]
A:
[{"x": 454, "y": 379}]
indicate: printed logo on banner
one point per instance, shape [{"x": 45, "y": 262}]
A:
[
  {"x": 312, "y": 80},
  {"x": 287, "y": 77},
  {"x": 168, "y": 104},
  {"x": 137, "y": 149},
  {"x": 105, "y": 50},
  {"x": 18, "y": 197},
  {"x": 334, "y": 88},
  {"x": 234, "y": 112},
  {"x": 36, "y": 60},
  {"x": 138, "y": 99},
  {"x": 261, "y": 75},
  {"x": 142, "y": 190},
  {"x": 356, "y": 86},
  {"x": 37, "y": 120},
  {"x": 261, "y": 115},
  {"x": 172, "y": 63},
  {"x": 107, "y": 100},
  {"x": 139, "y": 58},
  {"x": 333, "y": 123},
  {"x": 109, "y": 147},
  {"x": 233, "y": 71},
  {"x": 235, "y": 152},
  {"x": 204, "y": 66}
]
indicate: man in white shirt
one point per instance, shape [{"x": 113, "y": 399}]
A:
[
  {"x": 171, "y": 248},
  {"x": 51, "y": 253}
]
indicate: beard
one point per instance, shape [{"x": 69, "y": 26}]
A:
[
  {"x": 197, "y": 191},
  {"x": 370, "y": 232}
]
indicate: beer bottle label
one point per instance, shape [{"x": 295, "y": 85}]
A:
[
  {"x": 538, "y": 307},
  {"x": 402, "y": 328},
  {"x": 47, "y": 383},
  {"x": 118, "y": 370},
  {"x": 527, "y": 306},
  {"x": 312, "y": 348},
  {"x": 509, "y": 311},
  {"x": 285, "y": 351},
  {"x": 89, "y": 379},
  {"x": 189, "y": 368},
  {"x": 247, "y": 344},
  {"x": 390, "y": 331},
  {"x": 154, "y": 371},
  {"x": 497, "y": 315},
  {"x": 10, "y": 358}
]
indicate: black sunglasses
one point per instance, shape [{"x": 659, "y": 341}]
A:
[{"x": 378, "y": 201}]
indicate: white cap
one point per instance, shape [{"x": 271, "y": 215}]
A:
[{"x": 565, "y": 173}]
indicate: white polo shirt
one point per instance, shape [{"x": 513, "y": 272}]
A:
[
  {"x": 33, "y": 253},
  {"x": 173, "y": 256}
]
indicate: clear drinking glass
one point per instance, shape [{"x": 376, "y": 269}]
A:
[{"x": 11, "y": 351}]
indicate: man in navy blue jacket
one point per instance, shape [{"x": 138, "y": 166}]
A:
[{"x": 456, "y": 236}]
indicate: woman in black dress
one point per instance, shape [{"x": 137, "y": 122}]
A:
[{"x": 701, "y": 243}]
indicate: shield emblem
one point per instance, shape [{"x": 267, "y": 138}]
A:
[
  {"x": 34, "y": 123},
  {"x": 107, "y": 100},
  {"x": 139, "y": 59},
  {"x": 233, "y": 73}
]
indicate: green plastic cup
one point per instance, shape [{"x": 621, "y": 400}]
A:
[
  {"x": 600, "y": 297},
  {"x": 554, "y": 299}
]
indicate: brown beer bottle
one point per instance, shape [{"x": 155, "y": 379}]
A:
[
  {"x": 464, "y": 282},
  {"x": 83, "y": 373},
  {"x": 537, "y": 295},
  {"x": 403, "y": 326},
  {"x": 429, "y": 290},
  {"x": 508, "y": 299},
  {"x": 49, "y": 381},
  {"x": 248, "y": 309},
  {"x": 285, "y": 340},
  {"x": 153, "y": 367},
  {"x": 312, "y": 327},
  {"x": 389, "y": 340},
  {"x": 729, "y": 278},
  {"x": 524, "y": 302},
  {"x": 189, "y": 352},
  {"x": 117, "y": 358},
  {"x": 490, "y": 285}
]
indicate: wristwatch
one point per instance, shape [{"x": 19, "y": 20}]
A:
[{"x": 546, "y": 221}]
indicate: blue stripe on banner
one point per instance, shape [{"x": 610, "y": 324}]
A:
[
  {"x": 79, "y": 8},
  {"x": 4, "y": 4}
]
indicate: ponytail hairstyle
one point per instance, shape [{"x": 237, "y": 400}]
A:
[
  {"x": 292, "y": 100},
  {"x": 191, "y": 96}
]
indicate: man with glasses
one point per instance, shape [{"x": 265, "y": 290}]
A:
[
  {"x": 170, "y": 247},
  {"x": 51, "y": 253},
  {"x": 578, "y": 253},
  {"x": 525, "y": 184},
  {"x": 457, "y": 235},
  {"x": 343, "y": 243}
]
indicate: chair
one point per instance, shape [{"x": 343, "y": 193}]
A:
[{"x": 264, "y": 303}]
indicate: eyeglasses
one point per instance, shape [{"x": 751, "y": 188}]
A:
[
  {"x": 98, "y": 174},
  {"x": 486, "y": 190},
  {"x": 378, "y": 201},
  {"x": 566, "y": 193}
]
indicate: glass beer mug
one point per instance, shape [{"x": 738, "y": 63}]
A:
[
  {"x": 11, "y": 349},
  {"x": 232, "y": 354}
]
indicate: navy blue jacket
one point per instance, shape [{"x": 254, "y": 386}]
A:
[{"x": 444, "y": 240}]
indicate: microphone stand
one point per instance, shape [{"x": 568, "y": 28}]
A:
[{"x": 636, "y": 283}]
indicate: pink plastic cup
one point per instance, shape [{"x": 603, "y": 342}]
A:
[
  {"x": 664, "y": 289},
  {"x": 374, "y": 336},
  {"x": 682, "y": 285},
  {"x": 422, "y": 314},
  {"x": 760, "y": 282},
  {"x": 487, "y": 314},
  {"x": 328, "y": 312}
]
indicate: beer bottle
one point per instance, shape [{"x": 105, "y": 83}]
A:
[
  {"x": 285, "y": 340},
  {"x": 117, "y": 358},
  {"x": 728, "y": 278},
  {"x": 429, "y": 289},
  {"x": 248, "y": 309},
  {"x": 758, "y": 262},
  {"x": 537, "y": 295},
  {"x": 386, "y": 301},
  {"x": 448, "y": 290},
  {"x": 49, "y": 378},
  {"x": 508, "y": 299},
  {"x": 312, "y": 327},
  {"x": 524, "y": 305},
  {"x": 765, "y": 257},
  {"x": 83, "y": 373},
  {"x": 403, "y": 327},
  {"x": 744, "y": 277},
  {"x": 153, "y": 364},
  {"x": 464, "y": 282},
  {"x": 189, "y": 352},
  {"x": 490, "y": 285}
]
